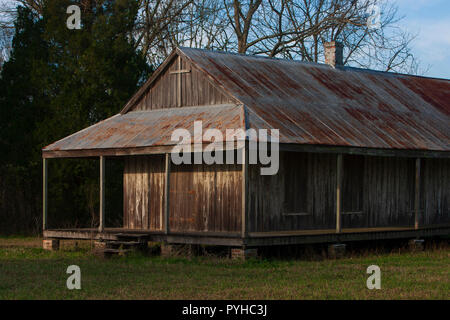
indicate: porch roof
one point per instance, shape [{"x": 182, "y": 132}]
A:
[{"x": 137, "y": 130}]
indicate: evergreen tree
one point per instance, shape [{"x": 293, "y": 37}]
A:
[
  {"x": 19, "y": 96},
  {"x": 19, "y": 113},
  {"x": 59, "y": 81}
]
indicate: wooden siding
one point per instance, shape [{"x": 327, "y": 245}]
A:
[
  {"x": 353, "y": 184},
  {"x": 143, "y": 192},
  {"x": 378, "y": 192},
  {"x": 205, "y": 198},
  {"x": 435, "y": 192},
  {"x": 387, "y": 186},
  {"x": 272, "y": 197},
  {"x": 196, "y": 89}
]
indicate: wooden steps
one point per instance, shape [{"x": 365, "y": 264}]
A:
[
  {"x": 114, "y": 244},
  {"x": 123, "y": 245},
  {"x": 106, "y": 253},
  {"x": 131, "y": 237}
]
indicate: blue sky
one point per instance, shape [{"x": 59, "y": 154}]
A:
[{"x": 430, "y": 19}]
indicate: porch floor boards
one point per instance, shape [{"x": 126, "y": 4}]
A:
[{"x": 254, "y": 239}]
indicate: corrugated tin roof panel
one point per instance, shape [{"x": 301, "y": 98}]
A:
[
  {"x": 317, "y": 104},
  {"x": 309, "y": 103},
  {"x": 150, "y": 128}
]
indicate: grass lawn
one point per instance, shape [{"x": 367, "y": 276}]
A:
[{"x": 29, "y": 272}]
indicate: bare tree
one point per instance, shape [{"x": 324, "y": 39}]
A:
[
  {"x": 158, "y": 22},
  {"x": 204, "y": 26},
  {"x": 292, "y": 29},
  {"x": 297, "y": 29},
  {"x": 7, "y": 16},
  {"x": 36, "y": 5}
]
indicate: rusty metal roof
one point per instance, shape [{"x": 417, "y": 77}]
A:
[
  {"x": 316, "y": 104},
  {"x": 150, "y": 128},
  {"x": 309, "y": 103}
]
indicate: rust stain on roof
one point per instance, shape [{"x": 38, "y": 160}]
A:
[
  {"x": 309, "y": 103},
  {"x": 150, "y": 128},
  {"x": 316, "y": 104}
]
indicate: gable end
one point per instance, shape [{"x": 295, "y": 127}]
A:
[{"x": 177, "y": 83}]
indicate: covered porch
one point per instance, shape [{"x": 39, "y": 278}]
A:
[{"x": 246, "y": 236}]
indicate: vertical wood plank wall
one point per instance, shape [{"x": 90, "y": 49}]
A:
[
  {"x": 196, "y": 89},
  {"x": 435, "y": 192},
  {"x": 143, "y": 192},
  {"x": 268, "y": 204},
  {"x": 388, "y": 193},
  {"x": 202, "y": 197},
  {"x": 206, "y": 198},
  {"x": 377, "y": 192}
]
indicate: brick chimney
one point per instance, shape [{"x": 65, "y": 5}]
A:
[{"x": 334, "y": 53}]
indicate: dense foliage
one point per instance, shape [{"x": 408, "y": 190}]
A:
[{"x": 56, "y": 82}]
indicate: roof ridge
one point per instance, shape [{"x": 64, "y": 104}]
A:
[
  {"x": 388, "y": 73},
  {"x": 244, "y": 55},
  {"x": 222, "y": 105},
  {"x": 342, "y": 68}
]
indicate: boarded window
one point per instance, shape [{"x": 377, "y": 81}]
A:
[
  {"x": 296, "y": 183},
  {"x": 353, "y": 179}
]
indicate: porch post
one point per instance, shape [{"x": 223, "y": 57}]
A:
[
  {"x": 244, "y": 190},
  {"x": 339, "y": 174},
  {"x": 102, "y": 194},
  {"x": 44, "y": 194},
  {"x": 167, "y": 195},
  {"x": 417, "y": 195}
]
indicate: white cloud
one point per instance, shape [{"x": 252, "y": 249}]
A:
[
  {"x": 433, "y": 38},
  {"x": 416, "y": 5}
]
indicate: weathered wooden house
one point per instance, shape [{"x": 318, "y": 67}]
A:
[{"x": 363, "y": 154}]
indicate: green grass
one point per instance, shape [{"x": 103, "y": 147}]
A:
[{"x": 29, "y": 272}]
